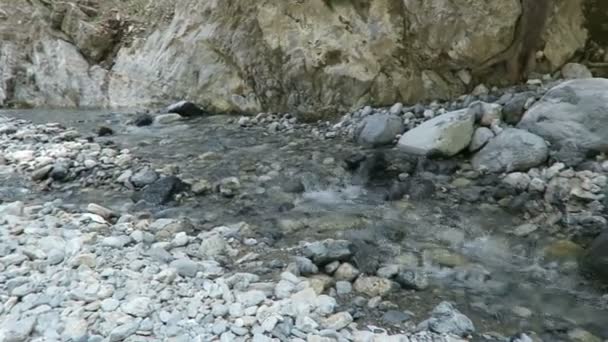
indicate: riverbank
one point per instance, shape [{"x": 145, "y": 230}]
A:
[{"x": 264, "y": 227}]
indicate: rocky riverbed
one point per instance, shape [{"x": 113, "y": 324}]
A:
[{"x": 117, "y": 226}]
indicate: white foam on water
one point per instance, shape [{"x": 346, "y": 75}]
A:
[{"x": 333, "y": 196}]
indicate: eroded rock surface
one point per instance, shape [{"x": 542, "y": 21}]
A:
[{"x": 315, "y": 58}]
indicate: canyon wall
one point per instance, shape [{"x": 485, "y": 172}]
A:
[{"x": 312, "y": 57}]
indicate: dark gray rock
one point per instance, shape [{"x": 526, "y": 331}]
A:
[
  {"x": 379, "y": 129},
  {"x": 161, "y": 191},
  {"x": 144, "y": 119},
  {"x": 103, "y": 131},
  {"x": 511, "y": 150},
  {"x": 574, "y": 113},
  {"x": 514, "y": 108},
  {"x": 60, "y": 172},
  {"x": 185, "y": 108},
  {"x": 326, "y": 251},
  {"x": 595, "y": 259},
  {"x": 371, "y": 168}
]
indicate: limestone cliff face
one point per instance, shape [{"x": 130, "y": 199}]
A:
[{"x": 315, "y": 57}]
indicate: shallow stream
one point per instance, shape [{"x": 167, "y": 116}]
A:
[{"x": 504, "y": 283}]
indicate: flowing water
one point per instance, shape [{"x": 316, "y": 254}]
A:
[{"x": 502, "y": 282}]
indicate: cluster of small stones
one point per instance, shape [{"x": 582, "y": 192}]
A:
[
  {"x": 415, "y": 115},
  {"x": 50, "y": 153},
  {"x": 581, "y": 192},
  {"x": 79, "y": 277},
  {"x": 284, "y": 123},
  {"x": 53, "y": 156}
]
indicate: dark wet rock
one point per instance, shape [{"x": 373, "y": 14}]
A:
[
  {"x": 59, "y": 172},
  {"x": 161, "y": 191},
  {"x": 326, "y": 251},
  {"x": 372, "y": 168},
  {"x": 412, "y": 280},
  {"x": 575, "y": 113},
  {"x": 185, "y": 108},
  {"x": 514, "y": 108},
  {"x": 103, "y": 131},
  {"x": 367, "y": 255},
  {"x": 511, "y": 150},
  {"x": 445, "y": 319},
  {"x": 595, "y": 259},
  {"x": 354, "y": 160},
  {"x": 379, "y": 129},
  {"x": 143, "y": 119}
]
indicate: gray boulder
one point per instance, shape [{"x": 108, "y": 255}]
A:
[
  {"x": 595, "y": 260},
  {"x": 379, "y": 129},
  {"x": 575, "y": 70},
  {"x": 572, "y": 116},
  {"x": 445, "y": 319},
  {"x": 511, "y": 150},
  {"x": 445, "y": 135}
]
